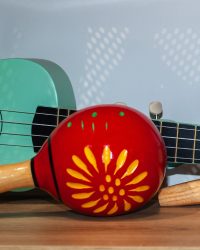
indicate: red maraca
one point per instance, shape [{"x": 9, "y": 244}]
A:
[{"x": 101, "y": 161}]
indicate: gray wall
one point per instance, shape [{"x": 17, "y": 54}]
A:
[{"x": 133, "y": 51}]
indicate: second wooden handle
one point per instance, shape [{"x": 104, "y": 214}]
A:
[{"x": 187, "y": 193}]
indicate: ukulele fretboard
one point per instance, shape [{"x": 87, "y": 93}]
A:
[
  {"x": 182, "y": 141},
  {"x": 46, "y": 119}
]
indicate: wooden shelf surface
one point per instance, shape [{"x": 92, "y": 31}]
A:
[{"x": 31, "y": 220}]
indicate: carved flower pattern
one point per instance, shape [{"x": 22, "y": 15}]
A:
[{"x": 106, "y": 193}]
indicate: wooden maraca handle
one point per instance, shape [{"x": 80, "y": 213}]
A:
[
  {"x": 187, "y": 193},
  {"x": 16, "y": 175}
]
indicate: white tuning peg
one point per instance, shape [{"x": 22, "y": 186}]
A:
[{"x": 155, "y": 110}]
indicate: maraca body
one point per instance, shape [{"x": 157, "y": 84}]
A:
[{"x": 102, "y": 161}]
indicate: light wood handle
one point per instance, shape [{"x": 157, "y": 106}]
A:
[
  {"x": 187, "y": 193},
  {"x": 16, "y": 175}
]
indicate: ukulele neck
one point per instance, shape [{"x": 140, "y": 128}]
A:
[
  {"x": 45, "y": 120},
  {"x": 182, "y": 141}
]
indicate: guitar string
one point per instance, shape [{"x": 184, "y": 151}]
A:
[
  {"x": 28, "y": 135},
  {"x": 169, "y": 127},
  {"x": 36, "y": 113},
  {"x": 44, "y": 125},
  {"x": 39, "y": 146},
  {"x": 30, "y": 113},
  {"x": 65, "y": 116},
  {"x": 54, "y": 126},
  {"x": 47, "y": 125},
  {"x": 167, "y": 147},
  {"x": 19, "y": 145},
  {"x": 27, "y": 123},
  {"x": 30, "y": 124},
  {"x": 69, "y": 110}
]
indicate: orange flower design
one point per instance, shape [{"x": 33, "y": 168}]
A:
[{"x": 113, "y": 191}]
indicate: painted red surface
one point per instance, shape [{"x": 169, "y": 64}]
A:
[{"x": 108, "y": 160}]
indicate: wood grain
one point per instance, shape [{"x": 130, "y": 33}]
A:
[
  {"x": 17, "y": 175},
  {"x": 37, "y": 222},
  {"x": 187, "y": 193}
]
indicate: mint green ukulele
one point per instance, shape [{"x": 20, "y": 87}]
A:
[{"x": 25, "y": 85}]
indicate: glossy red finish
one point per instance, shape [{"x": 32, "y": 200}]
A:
[{"x": 108, "y": 160}]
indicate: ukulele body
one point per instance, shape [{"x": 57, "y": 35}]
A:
[
  {"x": 26, "y": 84},
  {"x": 104, "y": 160}
]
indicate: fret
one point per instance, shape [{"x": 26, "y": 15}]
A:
[
  {"x": 157, "y": 124},
  {"x": 160, "y": 127},
  {"x": 182, "y": 141},
  {"x": 185, "y": 142},
  {"x": 186, "y": 131},
  {"x": 44, "y": 117},
  {"x": 58, "y": 113},
  {"x": 198, "y": 137},
  {"x": 177, "y": 132},
  {"x": 41, "y": 118},
  {"x": 169, "y": 129},
  {"x": 169, "y": 137},
  {"x": 197, "y": 145},
  {"x": 63, "y": 114},
  {"x": 170, "y": 154},
  {"x": 194, "y": 144}
]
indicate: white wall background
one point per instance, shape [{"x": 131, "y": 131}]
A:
[{"x": 134, "y": 51}]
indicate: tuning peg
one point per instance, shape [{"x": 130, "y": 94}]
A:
[{"x": 155, "y": 110}]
